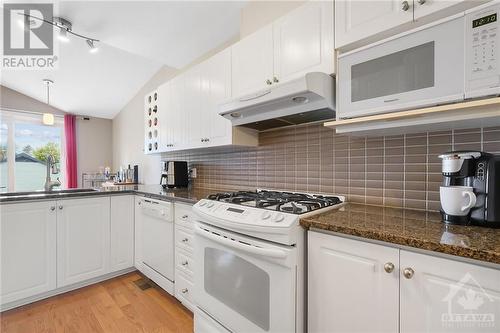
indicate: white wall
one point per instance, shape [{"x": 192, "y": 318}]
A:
[
  {"x": 93, "y": 137},
  {"x": 128, "y": 132},
  {"x": 128, "y": 125}
]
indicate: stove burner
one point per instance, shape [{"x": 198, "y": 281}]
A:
[{"x": 289, "y": 202}]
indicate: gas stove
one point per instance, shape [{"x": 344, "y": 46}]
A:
[
  {"x": 265, "y": 214},
  {"x": 288, "y": 202}
]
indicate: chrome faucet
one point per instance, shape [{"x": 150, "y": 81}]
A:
[{"x": 51, "y": 168}]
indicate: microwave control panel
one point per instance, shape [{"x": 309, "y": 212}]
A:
[{"x": 482, "y": 52}]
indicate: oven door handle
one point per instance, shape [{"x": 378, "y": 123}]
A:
[{"x": 273, "y": 253}]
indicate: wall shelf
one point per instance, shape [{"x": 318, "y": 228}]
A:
[{"x": 470, "y": 114}]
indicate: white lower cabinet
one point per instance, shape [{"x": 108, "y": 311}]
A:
[
  {"x": 122, "y": 232},
  {"x": 443, "y": 295},
  {"x": 83, "y": 239},
  {"x": 357, "y": 286},
  {"x": 184, "y": 261},
  {"x": 28, "y": 249},
  {"x": 348, "y": 287}
]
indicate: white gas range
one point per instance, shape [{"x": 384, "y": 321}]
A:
[{"x": 249, "y": 257}]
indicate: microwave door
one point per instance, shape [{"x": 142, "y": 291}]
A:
[
  {"x": 417, "y": 69},
  {"x": 244, "y": 287}
]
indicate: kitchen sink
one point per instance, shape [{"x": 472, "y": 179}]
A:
[{"x": 42, "y": 193}]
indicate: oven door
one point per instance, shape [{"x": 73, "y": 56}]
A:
[
  {"x": 417, "y": 69},
  {"x": 245, "y": 284}
]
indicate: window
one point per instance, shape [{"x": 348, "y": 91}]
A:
[{"x": 25, "y": 145}]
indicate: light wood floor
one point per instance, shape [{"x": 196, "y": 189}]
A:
[{"x": 116, "y": 305}]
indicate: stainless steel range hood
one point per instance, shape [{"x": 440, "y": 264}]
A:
[{"x": 307, "y": 99}]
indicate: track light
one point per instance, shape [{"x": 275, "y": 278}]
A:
[
  {"x": 92, "y": 46},
  {"x": 63, "y": 35}
]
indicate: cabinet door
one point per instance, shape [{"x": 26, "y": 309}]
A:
[
  {"x": 83, "y": 244},
  {"x": 218, "y": 70},
  {"x": 444, "y": 295},
  {"x": 122, "y": 232},
  {"x": 303, "y": 41},
  {"x": 28, "y": 249},
  {"x": 252, "y": 62},
  {"x": 165, "y": 115},
  {"x": 193, "y": 106},
  {"x": 138, "y": 233},
  {"x": 348, "y": 287},
  {"x": 356, "y": 20}
]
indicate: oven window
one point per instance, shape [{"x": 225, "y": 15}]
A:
[
  {"x": 399, "y": 72},
  {"x": 239, "y": 284}
]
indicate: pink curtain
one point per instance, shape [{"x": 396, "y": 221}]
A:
[{"x": 70, "y": 134}]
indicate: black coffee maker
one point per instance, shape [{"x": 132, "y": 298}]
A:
[{"x": 481, "y": 171}]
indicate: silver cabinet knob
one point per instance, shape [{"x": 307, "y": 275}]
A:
[
  {"x": 52, "y": 208},
  {"x": 184, "y": 291},
  {"x": 275, "y": 79},
  {"x": 184, "y": 217},
  {"x": 408, "y": 272},
  {"x": 421, "y": 2},
  {"x": 268, "y": 82},
  {"x": 389, "y": 267},
  {"x": 60, "y": 207},
  {"x": 405, "y": 6},
  {"x": 185, "y": 240},
  {"x": 185, "y": 263}
]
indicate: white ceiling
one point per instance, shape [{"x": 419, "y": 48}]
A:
[{"x": 138, "y": 38}]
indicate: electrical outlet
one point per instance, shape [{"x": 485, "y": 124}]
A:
[{"x": 193, "y": 173}]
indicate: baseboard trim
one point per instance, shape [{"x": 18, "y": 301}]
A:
[{"x": 65, "y": 289}]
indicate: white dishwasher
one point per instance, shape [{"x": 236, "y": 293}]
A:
[{"x": 156, "y": 241}]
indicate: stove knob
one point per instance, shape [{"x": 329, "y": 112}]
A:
[
  {"x": 265, "y": 215},
  {"x": 210, "y": 205},
  {"x": 202, "y": 203},
  {"x": 279, "y": 217}
]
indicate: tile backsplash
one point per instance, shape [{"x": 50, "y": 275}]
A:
[{"x": 397, "y": 171}]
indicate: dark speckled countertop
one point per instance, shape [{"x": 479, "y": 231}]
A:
[
  {"x": 413, "y": 228},
  {"x": 186, "y": 195}
]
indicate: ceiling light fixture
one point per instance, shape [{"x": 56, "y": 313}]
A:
[
  {"x": 92, "y": 46},
  {"x": 65, "y": 29},
  {"x": 48, "y": 118}
]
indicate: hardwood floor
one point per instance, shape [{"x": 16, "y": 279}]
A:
[{"x": 116, "y": 305}]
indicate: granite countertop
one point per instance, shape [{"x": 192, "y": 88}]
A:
[
  {"x": 413, "y": 228},
  {"x": 187, "y": 195}
]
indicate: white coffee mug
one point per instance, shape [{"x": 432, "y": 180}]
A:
[{"x": 457, "y": 200}]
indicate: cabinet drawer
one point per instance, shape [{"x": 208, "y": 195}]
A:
[
  {"x": 184, "y": 262},
  {"x": 184, "y": 239},
  {"x": 183, "y": 291},
  {"x": 184, "y": 215}
]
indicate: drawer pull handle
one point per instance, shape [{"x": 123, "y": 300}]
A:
[
  {"x": 185, "y": 263},
  {"x": 184, "y": 291},
  {"x": 184, "y": 217},
  {"x": 185, "y": 240}
]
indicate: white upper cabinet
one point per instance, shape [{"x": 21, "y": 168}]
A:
[
  {"x": 304, "y": 41},
  {"x": 356, "y": 20},
  {"x": 83, "y": 239},
  {"x": 152, "y": 141},
  {"x": 353, "y": 286},
  {"x": 28, "y": 249},
  {"x": 437, "y": 293},
  {"x": 252, "y": 62},
  {"x": 216, "y": 87}
]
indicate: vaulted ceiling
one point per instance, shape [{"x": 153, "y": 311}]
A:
[{"x": 137, "y": 39}]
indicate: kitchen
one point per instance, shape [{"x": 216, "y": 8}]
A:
[{"x": 300, "y": 166}]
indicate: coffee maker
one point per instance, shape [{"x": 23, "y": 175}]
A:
[
  {"x": 174, "y": 174},
  {"x": 478, "y": 170}
]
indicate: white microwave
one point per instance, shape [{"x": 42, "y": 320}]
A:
[{"x": 447, "y": 61}]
